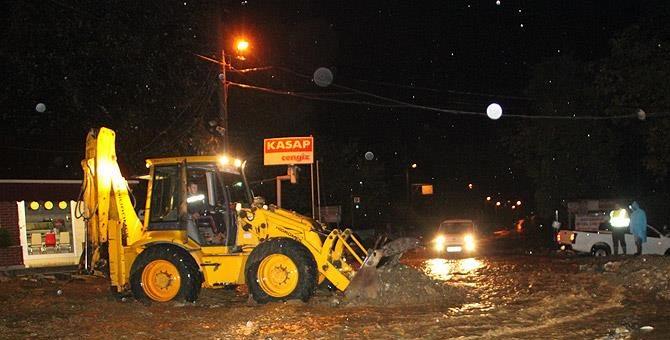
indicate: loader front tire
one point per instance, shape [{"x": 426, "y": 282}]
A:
[
  {"x": 281, "y": 269},
  {"x": 164, "y": 273}
]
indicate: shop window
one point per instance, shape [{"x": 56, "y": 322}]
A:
[{"x": 49, "y": 227}]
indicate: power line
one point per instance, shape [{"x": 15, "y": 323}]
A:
[
  {"x": 37, "y": 149},
  {"x": 208, "y": 88},
  {"x": 300, "y": 95},
  {"x": 401, "y": 104},
  {"x": 429, "y": 108},
  {"x": 422, "y": 88}
]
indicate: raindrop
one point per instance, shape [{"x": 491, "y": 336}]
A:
[
  {"x": 641, "y": 115},
  {"x": 494, "y": 111},
  {"x": 323, "y": 77},
  {"x": 40, "y": 108}
]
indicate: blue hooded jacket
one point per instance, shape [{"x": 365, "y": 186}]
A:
[{"x": 638, "y": 222}]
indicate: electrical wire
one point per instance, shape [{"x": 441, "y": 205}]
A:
[
  {"x": 208, "y": 87},
  {"x": 403, "y": 104},
  {"x": 297, "y": 94},
  {"x": 442, "y": 110},
  {"x": 37, "y": 149},
  {"x": 428, "y": 89}
]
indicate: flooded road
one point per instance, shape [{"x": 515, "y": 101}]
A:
[
  {"x": 541, "y": 297},
  {"x": 506, "y": 297}
]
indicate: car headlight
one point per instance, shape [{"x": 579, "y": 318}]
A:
[
  {"x": 439, "y": 243},
  {"x": 469, "y": 242}
]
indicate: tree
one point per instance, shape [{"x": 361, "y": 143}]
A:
[
  {"x": 635, "y": 77},
  {"x": 124, "y": 65},
  {"x": 564, "y": 158}
]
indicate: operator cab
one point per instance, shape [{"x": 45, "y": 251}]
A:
[{"x": 203, "y": 189}]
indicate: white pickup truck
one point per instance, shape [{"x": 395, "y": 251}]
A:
[{"x": 599, "y": 243}]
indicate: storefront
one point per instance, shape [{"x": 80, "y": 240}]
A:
[{"x": 42, "y": 221}]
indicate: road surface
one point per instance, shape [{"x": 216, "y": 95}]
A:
[{"x": 507, "y": 296}]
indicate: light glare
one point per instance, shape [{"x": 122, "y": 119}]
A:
[
  {"x": 242, "y": 45},
  {"x": 494, "y": 111}
]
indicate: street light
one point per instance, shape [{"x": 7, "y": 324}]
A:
[
  {"x": 241, "y": 45},
  {"x": 408, "y": 185}
]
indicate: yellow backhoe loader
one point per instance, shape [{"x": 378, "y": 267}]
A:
[{"x": 202, "y": 227}]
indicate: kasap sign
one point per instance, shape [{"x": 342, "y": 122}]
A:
[{"x": 288, "y": 150}]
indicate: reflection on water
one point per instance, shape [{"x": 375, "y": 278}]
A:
[
  {"x": 472, "y": 307},
  {"x": 443, "y": 269}
]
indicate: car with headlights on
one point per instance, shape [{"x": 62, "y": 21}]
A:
[{"x": 455, "y": 236}]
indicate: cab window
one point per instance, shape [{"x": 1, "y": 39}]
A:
[{"x": 165, "y": 194}]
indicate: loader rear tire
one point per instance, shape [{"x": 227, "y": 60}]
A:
[
  {"x": 164, "y": 273},
  {"x": 281, "y": 269}
]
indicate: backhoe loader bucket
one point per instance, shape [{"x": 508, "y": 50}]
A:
[{"x": 365, "y": 283}]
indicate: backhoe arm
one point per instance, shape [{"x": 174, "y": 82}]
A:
[{"x": 112, "y": 222}]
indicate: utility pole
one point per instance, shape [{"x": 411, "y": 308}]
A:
[
  {"x": 222, "y": 127},
  {"x": 223, "y": 101},
  {"x": 408, "y": 187}
]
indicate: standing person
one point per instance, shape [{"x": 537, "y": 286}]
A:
[
  {"x": 638, "y": 226},
  {"x": 619, "y": 223}
]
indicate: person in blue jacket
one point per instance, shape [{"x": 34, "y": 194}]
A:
[{"x": 638, "y": 226}]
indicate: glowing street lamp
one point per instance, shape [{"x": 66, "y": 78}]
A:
[
  {"x": 242, "y": 45},
  {"x": 407, "y": 183},
  {"x": 518, "y": 202},
  {"x": 488, "y": 198}
]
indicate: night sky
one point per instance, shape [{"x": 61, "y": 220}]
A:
[{"x": 457, "y": 55}]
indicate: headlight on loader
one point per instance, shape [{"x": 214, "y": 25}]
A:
[
  {"x": 439, "y": 243},
  {"x": 469, "y": 242}
]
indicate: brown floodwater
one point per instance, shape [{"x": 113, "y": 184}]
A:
[{"x": 507, "y": 297}]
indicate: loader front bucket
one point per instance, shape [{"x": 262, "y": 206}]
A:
[{"x": 366, "y": 284}]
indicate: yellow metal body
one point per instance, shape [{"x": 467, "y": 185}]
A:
[{"x": 111, "y": 220}]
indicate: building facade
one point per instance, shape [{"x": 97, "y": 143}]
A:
[{"x": 42, "y": 221}]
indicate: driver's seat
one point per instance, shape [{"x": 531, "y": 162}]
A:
[{"x": 208, "y": 223}]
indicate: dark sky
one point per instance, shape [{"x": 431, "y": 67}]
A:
[
  {"x": 458, "y": 55},
  {"x": 451, "y": 54}
]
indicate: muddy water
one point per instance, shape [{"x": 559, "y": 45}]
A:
[
  {"x": 507, "y": 297},
  {"x": 539, "y": 298}
]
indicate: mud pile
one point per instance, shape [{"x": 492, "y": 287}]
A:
[
  {"x": 644, "y": 275},
  {"x": 401, "y": 285}
]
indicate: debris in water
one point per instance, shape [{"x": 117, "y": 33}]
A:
[
  {"x": 612, "y": 266},
  {"x": 647, "y": 328},
  {"x": 403, "y": 285}
]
